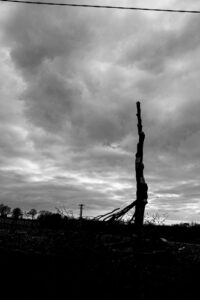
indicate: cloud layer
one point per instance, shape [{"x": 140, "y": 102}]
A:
[{"x": 70, "y": 81}]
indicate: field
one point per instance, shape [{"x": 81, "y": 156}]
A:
[{"x": 86, "y": 259}]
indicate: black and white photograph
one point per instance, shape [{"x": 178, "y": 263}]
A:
[{"x": 99, "y": 149}]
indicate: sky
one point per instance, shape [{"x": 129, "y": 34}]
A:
[{"x": 70, "y": 80}]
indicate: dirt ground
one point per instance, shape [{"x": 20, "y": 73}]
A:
[{"x": 74, "y": 264}]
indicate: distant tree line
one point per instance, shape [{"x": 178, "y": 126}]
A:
[
  {"x": 16, "y": 213},
  {"x": 44, "y": 217}
]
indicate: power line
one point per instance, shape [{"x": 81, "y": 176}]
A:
[{"x": 105, "y": 6}]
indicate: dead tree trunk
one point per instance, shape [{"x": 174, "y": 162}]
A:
[{"x": 142, "y": 187}]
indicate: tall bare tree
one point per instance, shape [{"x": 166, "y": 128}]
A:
[{"x": 141, "y": 186}]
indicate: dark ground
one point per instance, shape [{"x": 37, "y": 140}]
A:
[{"x": 71, "y": 264}]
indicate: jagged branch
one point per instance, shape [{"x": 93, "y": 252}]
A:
[
  {"x": 111, "y": 216},
  {"x": 104, "y": 215},
  {"x": 120, "y": 214}
]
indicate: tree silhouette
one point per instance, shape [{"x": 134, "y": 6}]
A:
[
  {"x": 17, "y": 213},
  {"x": 32, "y": 212},
  {"x": 44, "y": 212},
  {"x": 141, "y": 185},
  {"x": 4, "y": 210}
]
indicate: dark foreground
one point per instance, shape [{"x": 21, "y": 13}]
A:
[{"x": 53, "y": 264}]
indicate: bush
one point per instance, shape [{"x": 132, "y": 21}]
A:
[{"x": 50, "y": 220}]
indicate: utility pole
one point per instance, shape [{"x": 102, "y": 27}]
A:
[
  {"x": 81, "y": 211},
  {"x": 142, "y": 187}
]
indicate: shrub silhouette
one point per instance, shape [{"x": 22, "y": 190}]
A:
[{"x": 50, "y": 220}]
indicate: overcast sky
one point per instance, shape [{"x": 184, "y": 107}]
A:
[{"x": 69, "y": 82}]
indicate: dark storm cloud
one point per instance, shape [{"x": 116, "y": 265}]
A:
[
  {"x": 48, "y": 55},
  {"x": 50, "y": 102},
  {"x": 37, "y": 34},
  {"x": 153, "y": 52}
]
